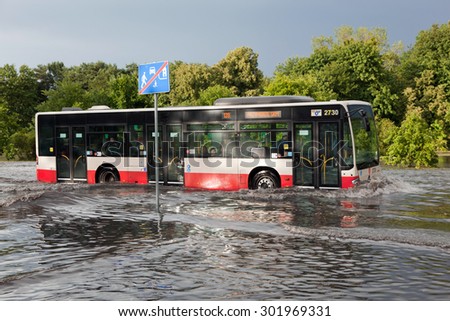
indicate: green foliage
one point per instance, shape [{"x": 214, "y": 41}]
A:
[
  {"x": 425, "y": 128},
  {"x": 82, "y": 86},
  {"x": 356, "y": 64},
  {"x": 431, "y": 52},
  {"x": 122, "y": 90},
  {"x": 305, "y": 85},
  {"x": 210, "y": 94},
  {"x": 406, "y": 88},
  {"x": 386, "y": 133},
  {"x": 187, "y": 83},
  {"x": 235, "y": 75},
  {"x": 414, "y": 143},
  {"x": 21, "y": 145},
  {"x": 432, "y": 99},
  {"x": 66, "y": 94},
  {"x": 48, "y": 76},
  {"x": 8, "y": 125},
  {"x": 239, "y": 72},
  {"x": 19, "y": 93},
  {"x": 425, "y": 70},
  {"x": 384, "y": 101},
  {"x": 18, "y": 100}
]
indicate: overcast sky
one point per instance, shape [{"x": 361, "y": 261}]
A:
[{"x": 36, "y": 32}]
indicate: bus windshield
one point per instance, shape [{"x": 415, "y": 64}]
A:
[{"x": 365, "y": 136}]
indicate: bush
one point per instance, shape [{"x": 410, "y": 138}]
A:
[
  {"x": 415, "y": 143},
  {"x": 21, "y": 145}
]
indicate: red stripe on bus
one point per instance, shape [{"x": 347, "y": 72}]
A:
[
  {"x": 286, "y": 181},
  {"x": 225, "y": 182},
  {"x": 134, "y": 177},
  {"x": 91, "y": 177},
  {"x": 347, "y": 181},
  {"x": 46, "y": 175},
  {"x": 125, "y": 177}
]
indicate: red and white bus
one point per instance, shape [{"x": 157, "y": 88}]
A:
[{"x": 238, "y": 143}]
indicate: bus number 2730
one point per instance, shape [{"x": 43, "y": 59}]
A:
[{"x": 331, "y": 112}]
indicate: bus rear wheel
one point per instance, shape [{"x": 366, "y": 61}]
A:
[
  {"x": 264, "y": 180},
  {"x": 108, "y": 175}
]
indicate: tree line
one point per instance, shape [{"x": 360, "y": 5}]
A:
[{"x": 408, "y": 88}]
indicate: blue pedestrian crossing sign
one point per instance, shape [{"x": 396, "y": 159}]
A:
[{"x": 154, "y": 78}]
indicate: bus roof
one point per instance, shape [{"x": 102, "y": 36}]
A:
[
  {"x": 262, "y": 100},
  {"x": 223, "y": 103}
]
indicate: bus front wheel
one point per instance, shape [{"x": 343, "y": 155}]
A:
[
  {"x": 108, "y": 175},
  {"x": 264, "y": 180}
]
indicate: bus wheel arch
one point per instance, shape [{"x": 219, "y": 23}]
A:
[
  {"x": 107, "y": 173},
  {"x": 263, "y": 178}
]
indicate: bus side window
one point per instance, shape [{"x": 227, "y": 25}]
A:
[
  {"x": 255, "y": 144},
  {"x": 230, "y": 145},
  {"x": 137, "y": 147},
  {"x": 284, "y": 145},
  {"x": 94, "y": 144},
  {"x": 112, "y": 147}
]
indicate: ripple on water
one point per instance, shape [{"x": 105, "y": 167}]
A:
[{"x": 83, "y": 242}]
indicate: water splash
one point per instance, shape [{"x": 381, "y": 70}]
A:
[{"x": 383, "y": 184}]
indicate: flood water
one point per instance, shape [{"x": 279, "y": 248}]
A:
[{"x": 386, "y": 241}]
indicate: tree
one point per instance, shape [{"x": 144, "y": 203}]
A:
[
  {"x": 415, "y": 143},
  {"x": 8, "y": 126},
  {"x": 66, "y": 94},
  {"x": 94, "y": 79},
  {"x": 239, "y": 72},
  {"x": 355, "y": 64},
  {"x": 422, "y": 133},
  {"x": 431, "y": 52},
  {"x": 210, "y": 94},
  {"x": 427, "y": 70},
  {"x": 19, "y": 93},
  {"x": 18, "y": 100},
  {"x": 22, "y": 145},
  {"x": 305, "y": 85},
  {"x": 48, "y": 76},
  {"x": 424, "y": 72},
  {"x": 432, "y": 99},
  {"x": 295, "y": 67},
  {"x": 82, "y": 86},
  {"x": 187, "y": 83},
  {"x": 122, "y": 91},
  {"x": 386, "y": 133}
]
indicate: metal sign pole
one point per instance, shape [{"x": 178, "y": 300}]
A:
[
  {"x": 154, "y": 79},
  {"x": 156, "y": 153}
]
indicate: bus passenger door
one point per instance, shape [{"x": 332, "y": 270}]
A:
[
  {"x": 316, "y": 161},
  {"x": 152, "y": 162},
  {"x": 304, "y": 155},
  {"x": 170, "y": 160},
  {"x": 328, "y": 154},
  {"x": 71, "y": 153},
  {"x": 172, "y": 152}
]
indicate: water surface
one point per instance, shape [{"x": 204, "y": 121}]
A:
[{"x": 387, "y": 241}]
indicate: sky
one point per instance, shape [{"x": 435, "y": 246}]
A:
[{"x": 37, "y": 32}]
